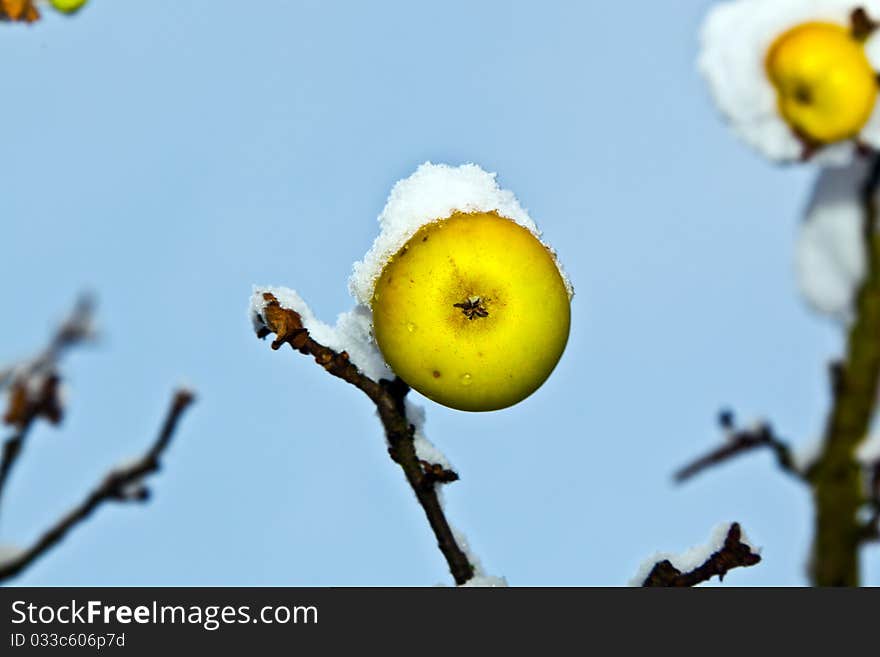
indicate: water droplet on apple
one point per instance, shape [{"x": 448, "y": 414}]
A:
[
  {"x": 466, "y": 379},
  {"x": 411, "y": 327}
]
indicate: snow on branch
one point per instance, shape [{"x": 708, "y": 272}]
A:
[
  {"x": 830, "y": 258},
  {"x": 727, "y": 549},
  {"x": 283, "y": 313},
  {"x": 121, "y": 484},
  {"x": 351, "y": 334}
]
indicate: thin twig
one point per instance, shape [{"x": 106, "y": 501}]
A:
[
  {"x": 732, "y": 554},
  {"x": 740, "y": 441},
  {"x": 388, "y": 396},
  {"x": 24, "y": 409},
  {"x": 12, "y": 448},
  {"x": 77, "y": 328},
  {"x": 120, "y": 484},
  {"x": 34, "y": 385}
]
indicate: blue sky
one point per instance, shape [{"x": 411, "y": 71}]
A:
[{"x": 168, "y": 155}]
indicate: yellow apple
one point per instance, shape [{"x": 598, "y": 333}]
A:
[
  {"x": 68, "y": 6},
  {"x": 825, "y": 85},
  {"x": 472, "y": 312}
]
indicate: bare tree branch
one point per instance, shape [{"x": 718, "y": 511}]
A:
[
  {"x": 732, "y": 554},
  {"x": 739, "y": 441},
  {"x": 23, "y": 411},
  {"x": 34, "y": 385},
  {"x": 870, "y": 531},
  {"x": 388, "y": 396},
  {"x": 78, "y": 327},
  {"x": 836, "y": 476},
  {"x": 120, "y": 484}
]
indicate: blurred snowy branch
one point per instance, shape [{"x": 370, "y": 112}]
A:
[
  {"x": 121, "y": 484},
  {"x": 34, "y": 391},
  {"x": 292, "y": 323},
  {"x": 727, "y": 549},
  {"x": 739, "y": 441},
  {"x": 830, "y": 257},
  {"x": 34, "y": 386}
]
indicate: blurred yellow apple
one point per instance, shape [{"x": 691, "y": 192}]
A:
[
  {"x": 472, "y": 312},
  {"x": 825, "y": 85},
  {"x": 68, "y": 6}
]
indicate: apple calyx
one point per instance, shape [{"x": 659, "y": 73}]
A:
[{"x": 472, "y": 308}]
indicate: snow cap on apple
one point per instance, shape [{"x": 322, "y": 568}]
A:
[{"x": 433, "y": 192}]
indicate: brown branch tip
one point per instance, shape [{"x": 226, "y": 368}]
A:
[
  {"x": 861, "y": 25},
  {"x": 733, "y": 553}
]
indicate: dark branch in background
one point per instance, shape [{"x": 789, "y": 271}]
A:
[
  {"x": 835, "y": 476},
  {"x": 739, "y": 441},
  {"x": 388, "y": 396},
  {"x": 34, "y": 385},
  {"x": 732, "y": 554},
  {"x": 871, "y": 529},
  {"x": 121, "y": 484},
  {"x": 45, "y": 404}
]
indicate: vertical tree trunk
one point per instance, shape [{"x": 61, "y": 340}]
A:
[{"x": 836, "y": 477}]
